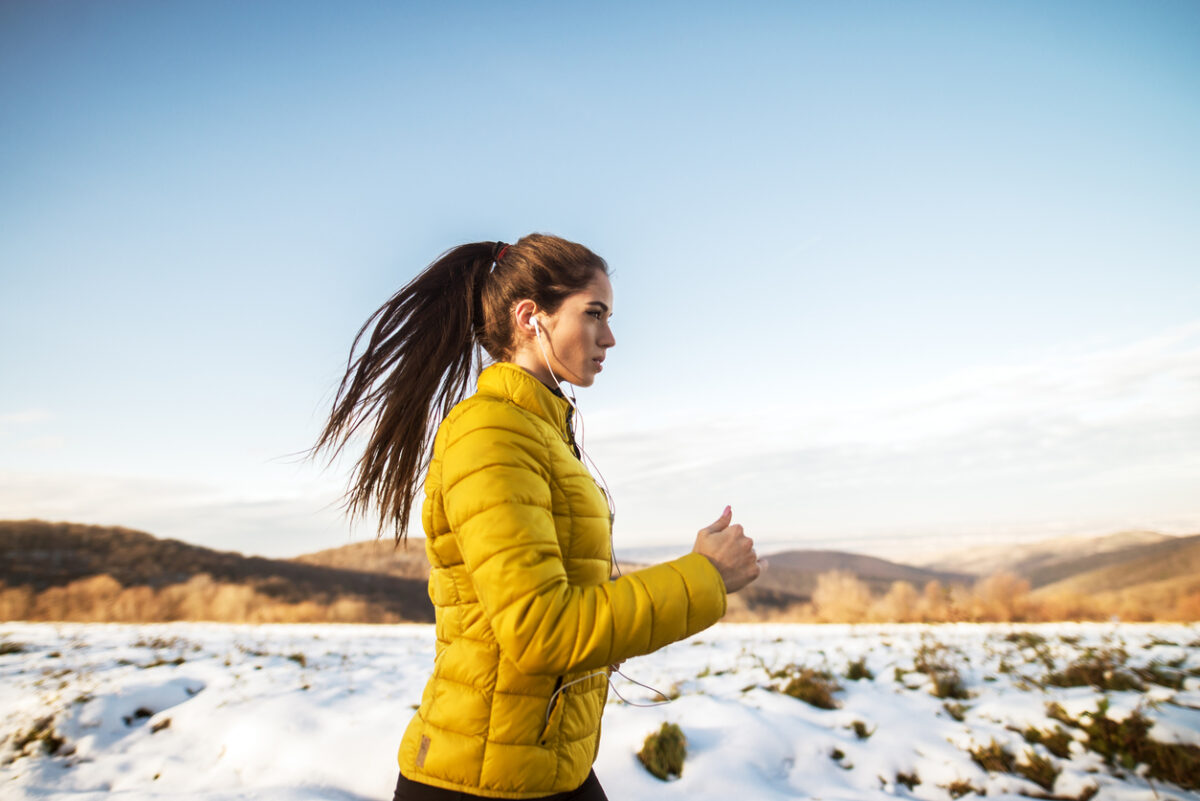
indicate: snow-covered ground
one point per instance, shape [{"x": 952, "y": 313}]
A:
[{"x": 305, "y": 711}]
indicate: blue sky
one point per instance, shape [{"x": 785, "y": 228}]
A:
[{"x": 888, "y": 276}]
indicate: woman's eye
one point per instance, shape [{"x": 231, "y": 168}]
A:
[{"x": 595, "y": 313}]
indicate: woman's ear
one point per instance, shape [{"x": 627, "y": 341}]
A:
[{"x": 524, "y": 314}]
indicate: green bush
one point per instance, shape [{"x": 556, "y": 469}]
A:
[{"x": 664, "y": 751}]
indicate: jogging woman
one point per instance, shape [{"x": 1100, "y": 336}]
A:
[{"x": 518, "y": 533}]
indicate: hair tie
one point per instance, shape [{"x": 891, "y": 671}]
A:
[{"x": 497, "y": 255}]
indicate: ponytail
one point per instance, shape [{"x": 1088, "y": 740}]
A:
[
  {"x": 418, "y": 359},
  {"x": 424, "y": 346}
]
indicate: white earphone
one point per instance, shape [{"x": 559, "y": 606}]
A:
[{"x": 587, "y": 460}]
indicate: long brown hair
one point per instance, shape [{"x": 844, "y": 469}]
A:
[{"x": 423, "y": 351}]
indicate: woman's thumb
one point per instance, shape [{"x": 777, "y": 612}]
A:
[{"x": 721, "y": 522}]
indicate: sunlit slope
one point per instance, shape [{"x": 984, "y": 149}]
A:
[
  {"x": 1047, "y": 561},
  {"x": 1153, "y": 576},
  {"x": 43, "y": 556}
]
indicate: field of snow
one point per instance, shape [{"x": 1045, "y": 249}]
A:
[{"x": 306, "y": 711}]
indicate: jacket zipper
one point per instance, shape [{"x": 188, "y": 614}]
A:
[
  {"x": 571, "y": 434},
  {"x": 556, "y": 698}
]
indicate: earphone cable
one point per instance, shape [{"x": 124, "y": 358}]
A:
[{"x": 666, "y": 699}]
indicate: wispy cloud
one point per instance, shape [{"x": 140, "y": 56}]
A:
[
  {"x": 1155, "y": 382},
  {"x": 268, "y": 523},
  {"x": 1081, "y": 439},
  {"x": 23, "y": 418},
  {"x": 1085, "y": 434}
]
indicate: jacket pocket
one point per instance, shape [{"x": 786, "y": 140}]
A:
[
  {"x": 599, "y": 721},
  {"x": 554, "y": 712}
]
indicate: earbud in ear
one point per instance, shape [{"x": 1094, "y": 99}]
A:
[{"x": 533, "y": 323}]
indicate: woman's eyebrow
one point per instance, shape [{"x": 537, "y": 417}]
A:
[{"x": 599, "y": 303}]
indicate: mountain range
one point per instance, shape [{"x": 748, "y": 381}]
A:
[{"x": 42, "y": 555}]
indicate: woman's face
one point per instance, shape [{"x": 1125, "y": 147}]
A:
[{"x": 575, "y": 338}]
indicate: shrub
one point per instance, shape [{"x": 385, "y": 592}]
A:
[
  {"x": 909, "y": 780},
  {"x": 1039, "y": 770},
  {"x": 861, "y": 731},
  {"x": 993, "y": 757},
  {"x": 663, "y": 752},
  {"x": 961, "y": 787},
  {"x": 141, "y": 713},
  {"x": 1126, "y": 743},
  {"x": 1001, "y": 596},
  {"x": 956, "y": 711},
  {"x": 934, "y": 660},
  {"x": 901, "y": 604},
  {"x": 1055, "y": 711},
  {"x": 814, "y": 687},
  {"x": 858, "y": 670},
  {"x": 948, "y": 684},
  {"x": 42, "y": 733},
  {"x": 159, "y": 643},
  {"x": 1099, "y": 669},
  {"x": 841, "y": 597},
  {"x": 1025, "y": 639},
  {"x": 1057, "y": 742},
  {"x": 1157, "y": 673}
]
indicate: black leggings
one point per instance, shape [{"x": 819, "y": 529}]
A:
[{"x": 408, "y": 790}]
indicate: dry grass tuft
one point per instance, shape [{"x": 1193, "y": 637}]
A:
[
  {"x": 815, "y": 687},
  {"x": 993, "y": 757},
  {"x": 664, "y": 751}
]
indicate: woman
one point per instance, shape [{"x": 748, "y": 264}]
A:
[{"x": 518, "y": 533}]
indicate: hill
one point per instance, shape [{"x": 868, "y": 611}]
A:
[
  {"x": 1137, "y": 575},
  {"x": 759, "y": 601},
  {"x": 64, "y": 571},
  {"x": 1048, "y": 561},
  {"x": 797, "y": 571},
  {"x": 1119, "y": 568},
  {"x": 406, "y": 560},
  {"x": 42, "y": 557},
  {"x": 1144, "y": 583}
]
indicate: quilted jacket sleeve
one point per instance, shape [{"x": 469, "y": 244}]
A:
[{"x": 497, "y": 497}]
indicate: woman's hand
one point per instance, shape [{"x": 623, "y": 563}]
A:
[{"x": 730, "y": 551}]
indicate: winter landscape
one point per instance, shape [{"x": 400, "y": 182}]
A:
[{"x": 770, "y": 711}]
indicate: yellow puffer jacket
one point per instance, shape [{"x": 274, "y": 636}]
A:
[{"x": 518, "y": 536}]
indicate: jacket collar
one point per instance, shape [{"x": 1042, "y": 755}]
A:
[{"x": 507, "y": 380}]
